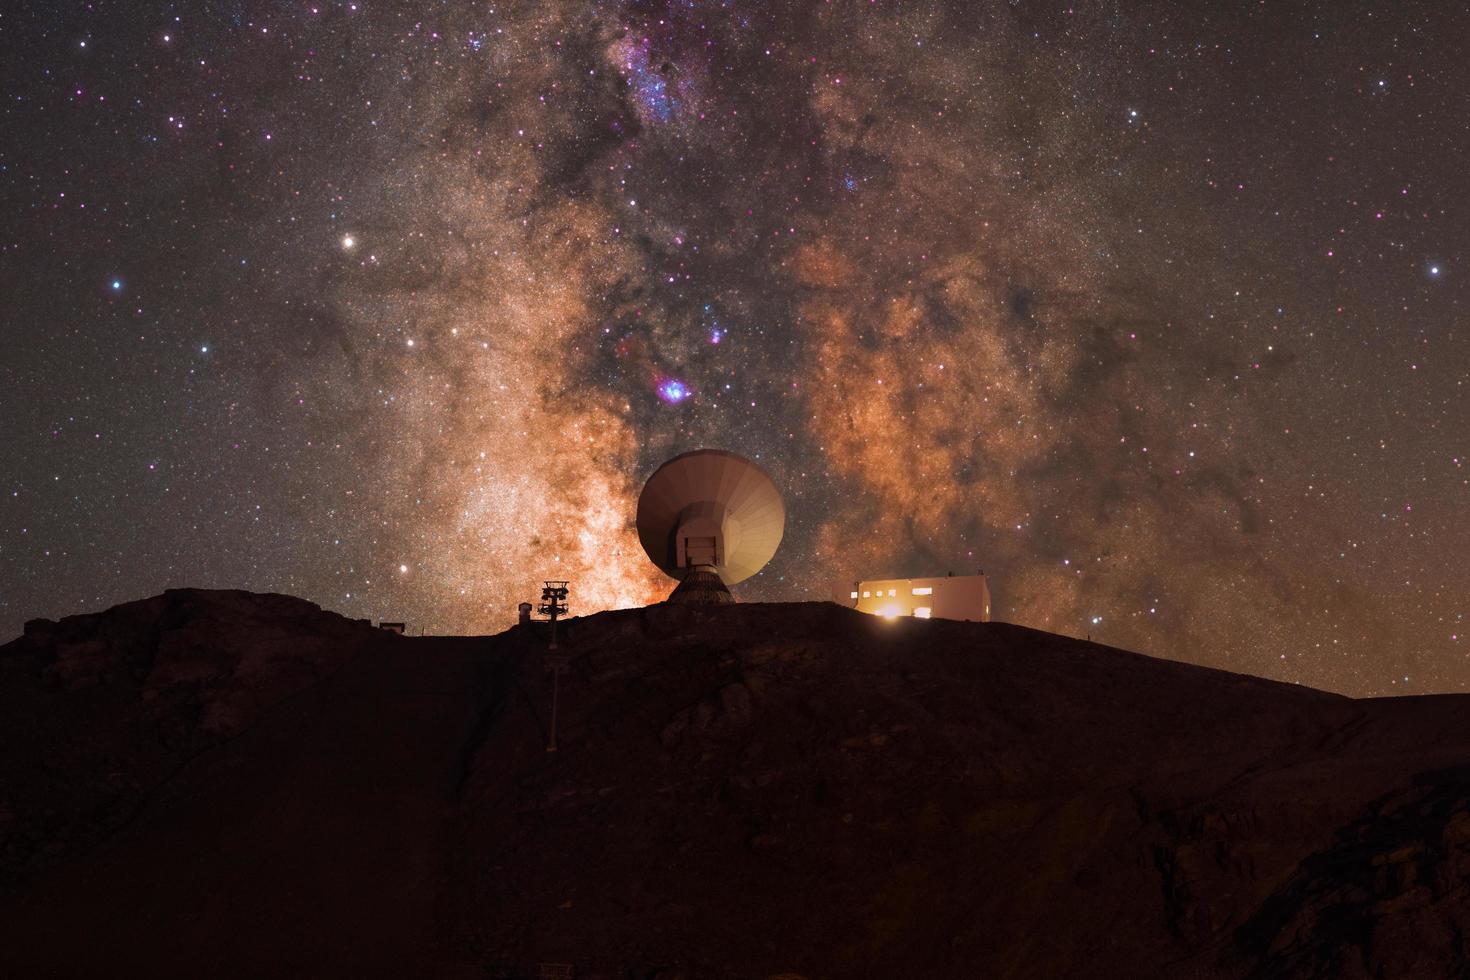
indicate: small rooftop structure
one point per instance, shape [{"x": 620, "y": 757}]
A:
[
  {"x": 399, "y": 628},
  {"x": 963, "y": 597}
]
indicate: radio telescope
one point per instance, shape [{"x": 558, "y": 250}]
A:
[{"x": 710, "y": 519}]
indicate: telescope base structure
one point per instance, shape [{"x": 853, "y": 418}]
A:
[{"x": 701, "y": 585}]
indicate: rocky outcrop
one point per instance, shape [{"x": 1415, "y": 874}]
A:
[
  {"x": 1389, "y": 896},
  {"x": 224, "y": 784},
  {"x": 98, "y": 711}
]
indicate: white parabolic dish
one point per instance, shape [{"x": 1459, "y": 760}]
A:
[{"x": 710, "y": 494}]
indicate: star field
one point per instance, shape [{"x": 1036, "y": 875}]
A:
[{"x": 1158, "y": 317}]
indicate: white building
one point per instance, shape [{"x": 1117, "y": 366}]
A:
[{"x": 965, "y": 597}]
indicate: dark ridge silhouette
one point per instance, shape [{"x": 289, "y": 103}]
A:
[{"x": 224, "y": 784}]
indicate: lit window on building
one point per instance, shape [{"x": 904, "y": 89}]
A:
[{"x": 963, "y": 598}]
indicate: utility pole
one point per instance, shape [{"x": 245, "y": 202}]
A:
[
  {"x": 555, "y": 666},
  {"x": 554, "y": 604}
]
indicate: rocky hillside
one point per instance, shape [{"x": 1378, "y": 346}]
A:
[{"x": 226, "y": 784}]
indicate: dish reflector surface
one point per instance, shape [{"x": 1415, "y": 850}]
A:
[{"x": 710, "y": 501}]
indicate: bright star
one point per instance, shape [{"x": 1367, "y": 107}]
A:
[
  {"x": 348, "y": 241},
  {"x": 116, "y": 285}
]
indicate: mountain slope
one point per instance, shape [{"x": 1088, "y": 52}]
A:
[{"x": 227, "y": 784}]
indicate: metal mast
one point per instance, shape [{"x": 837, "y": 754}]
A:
[{"x": 554, "y": 604}]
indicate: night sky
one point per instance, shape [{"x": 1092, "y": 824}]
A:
[{"x": 1156, "y": 315}]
